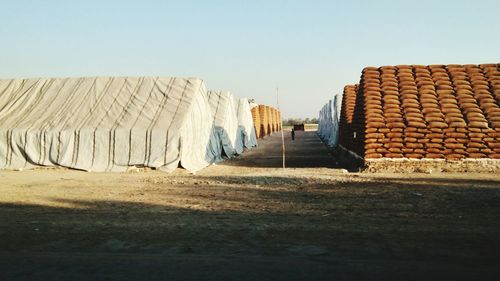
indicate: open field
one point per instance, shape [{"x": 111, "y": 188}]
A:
[{"x": 248, "y": 219}]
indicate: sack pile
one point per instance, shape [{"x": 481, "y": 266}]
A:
[
  {"x": 346, "y": 116},
  {"x": 435, "y": 112},
  {"x": 256, "y": 121},
  {"x": 267, "y": 120}
]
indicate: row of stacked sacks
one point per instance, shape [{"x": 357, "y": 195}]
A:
[
  {"x": 437, "y": 111},
  {"x": 275, "y": 120},
  {"x": 256, "y": 120},
  {"x": 346, "y": 121},
  {"x": 267, "y": 120}
]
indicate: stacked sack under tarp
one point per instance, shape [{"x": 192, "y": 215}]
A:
[
  {"x": 435, "y": 112},
  {"x": 328, "y": 121}
]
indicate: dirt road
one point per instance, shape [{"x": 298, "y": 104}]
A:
[{"x": 248, "y": 219}]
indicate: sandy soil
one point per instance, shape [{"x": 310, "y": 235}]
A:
[{"x": 248, "y": 219}]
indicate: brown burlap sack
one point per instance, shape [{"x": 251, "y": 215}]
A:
[
  {"x": 456, "y": 135},
  {"x": 375, "y": 136},
  {"x": 438, "y": 125},
  {"x": 427, "y": 90},
  {"x": 394, "y": 135},
  {"x": 476, "y": 145},
  {"x": 473, "y": 150},
  {"x": 395, "y": 150},
  {"x": 394, "y": 120},
  {"x": 435, "y": 135},
  {"x": 433, "y": 150},
  {"x": 434, "y": 155},
  {"x": 453, "y": 119},
  {"x": 373, "y": 155},
  {"x": 396, "y": 125},
  {"x": 444, "y": 87},
  {"x": 413, "y": 156},
  {"x": 435, "y": 114},
  {"x": 413, "y": 112},
  {"x": 414, "y": 145},
  {"x": 382, "y": 150},
  {"x": 454, "y": 145},
  {"x": 375, "y": 125},
  {"x": 477, "y": 119},
  {"x": 475, "y": 124},
  {"x": 457, "y": 125},
  {"x": 373, "y": 145},
  {"x": 434, "y": 145},
  {"x": 454, "y": 156},
  {"x": 415, "y": 135},
  {"x": 390, "y": 114},
  {"x": 477, "y": 135},
  {"x": 408, "y": 91},
  {"x": 431, "y": 108},
  {"x": 393, "y": 145},
  {"x": 435, "y": 130},
  {"x": 394, "y": 155}
]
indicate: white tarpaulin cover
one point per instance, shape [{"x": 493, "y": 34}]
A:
[
  {"x": 328, "y": 128},
  {"x": 106, "y": 124},
  {"x": 245, "y": 123},
  {"x": 225, "y": 113}
]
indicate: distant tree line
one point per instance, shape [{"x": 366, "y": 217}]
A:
[{"x": 297, "y": 121}]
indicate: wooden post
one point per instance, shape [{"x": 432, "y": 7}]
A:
[{"x": 281, "y": 124}]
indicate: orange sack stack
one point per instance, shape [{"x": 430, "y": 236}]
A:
[
  {"x": 414, "y": 111},
  {"x": 263, "y": 120},
  {"x": 256, "y": 121},
  {"x": 267, "y": 120}
]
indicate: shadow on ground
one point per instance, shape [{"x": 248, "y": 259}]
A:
[{"x": 247, "y": 228}]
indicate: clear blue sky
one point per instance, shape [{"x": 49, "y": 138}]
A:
[{"x": 310, "y": 49}]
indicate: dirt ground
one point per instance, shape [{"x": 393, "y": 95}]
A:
[{"x": 248, "y": 219}]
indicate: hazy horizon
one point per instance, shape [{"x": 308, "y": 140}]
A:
[{"x": 309, "y": 50}]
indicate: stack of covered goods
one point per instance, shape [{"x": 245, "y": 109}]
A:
[
  {"x": 246, "y": 126},
  {"x": 328, "y": 125},
  {"x": 99, "y": 123},
  {"x": 434, "y": 112},
  {"x": 325, "y": 122}
]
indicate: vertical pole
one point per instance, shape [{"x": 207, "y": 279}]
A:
[{"x": 281, "y": 125}]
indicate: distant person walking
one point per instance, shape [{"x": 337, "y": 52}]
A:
[{"x": 293, "y": 134}]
